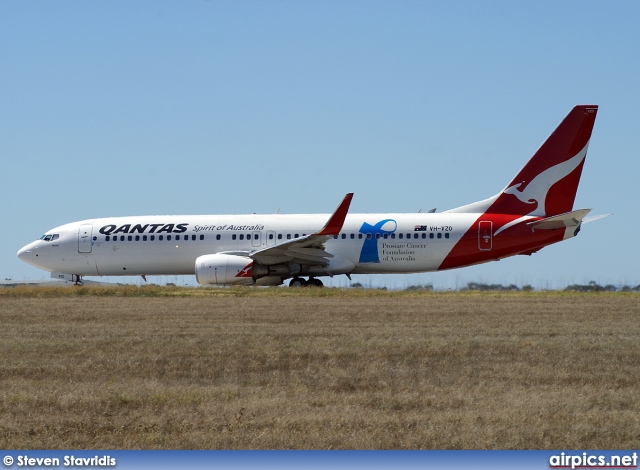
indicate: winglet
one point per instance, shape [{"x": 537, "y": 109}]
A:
[{"x": 336, "y": 221}]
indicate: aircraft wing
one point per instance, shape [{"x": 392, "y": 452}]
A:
[{"x": 308, "y": 250}]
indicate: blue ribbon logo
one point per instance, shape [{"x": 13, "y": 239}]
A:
[{"x": 369, "y": 253}]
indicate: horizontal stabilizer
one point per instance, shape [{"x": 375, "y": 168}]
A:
[{"x": 568, "y": 219}]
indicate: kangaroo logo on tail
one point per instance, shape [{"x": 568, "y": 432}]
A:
[{"x": 535, "y": 192}]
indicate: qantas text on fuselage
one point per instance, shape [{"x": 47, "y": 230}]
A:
[{"x": 534, "y": 210}]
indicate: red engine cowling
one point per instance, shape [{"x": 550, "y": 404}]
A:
[{"x": 224, "y": 269}]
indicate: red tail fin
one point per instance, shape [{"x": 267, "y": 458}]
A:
[
  {"x": 550, "y": 179},
  {"x": 548, "y": 183}
]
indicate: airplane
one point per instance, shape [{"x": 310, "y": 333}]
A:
[{"x": 534, "y": 210}]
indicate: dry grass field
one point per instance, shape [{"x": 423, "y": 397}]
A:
[{"x": 156, "y": 368}]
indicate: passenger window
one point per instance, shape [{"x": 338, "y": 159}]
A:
[
  {"x": 233, "y": 237},
  {"x": 255, "y": 237},
  {"x": 193, "y": 238},
  {"x": 424, "y": 235},
  {"x": 271, "y": 236},
  {"x": 431, "y": 235},
  {"x": 344, "y": 236},
  {"x": 217, "y": 237},
  {"x": 289, "y": 236},
  {"x": 202, "y": 237},
  {"x": 241, "y": 237},
  {"x": 377, "y": 236},
  {"x": 279, "y": 236},
  {"x": 385, "y": 235},
  {"x": 144, "y": 238},
  {"x": 439, "y": 235},
  {"x": 359, "y": 236},
  {"x": 415, "y": 235},
  {"x": 137, "y": 238},
  {"x": 353, "y": 235},
  {"x": 400, "y": 235},
  {"x": 168, "y": 237},
  {"x": 153, "y": 237},
  {"x": 393, "y": 236},
  {"x": 368, "y": 236},
  {"x": 177, "y": 237},
  {"x": 130, "y": 238},
  {"x": 446, "y": 235},
  {"x": 297, "y": 235},
  {"x": 160, "y": 237},
  {"x": 107, "y": 238}
]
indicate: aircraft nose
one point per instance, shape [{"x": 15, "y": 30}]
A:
[
  {"x": 23, "y": 253},
  {"x": 27, "y": 253}
]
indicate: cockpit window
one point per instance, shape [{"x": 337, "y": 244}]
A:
[{"x": 51, "y": 237}]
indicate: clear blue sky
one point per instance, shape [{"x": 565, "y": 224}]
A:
[{"x": 152, "y": 107}]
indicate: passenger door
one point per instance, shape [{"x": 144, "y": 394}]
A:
[{"x": 85, "y": 234}]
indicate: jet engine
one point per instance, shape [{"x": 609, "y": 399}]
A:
[
  {"x": 224, "y": 269},
  {"x": 221, "y": 268}
]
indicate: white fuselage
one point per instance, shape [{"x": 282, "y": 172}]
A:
[{"x": 169, "y": 245}]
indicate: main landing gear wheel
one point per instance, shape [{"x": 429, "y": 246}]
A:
[{"x": 298, "y": 282}]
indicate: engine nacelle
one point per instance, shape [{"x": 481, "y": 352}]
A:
[{"x": 224, "y": 269}]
